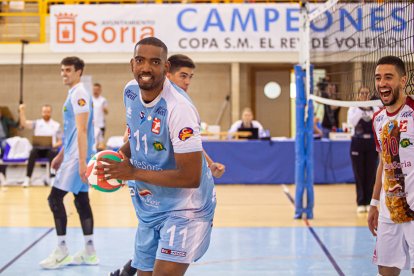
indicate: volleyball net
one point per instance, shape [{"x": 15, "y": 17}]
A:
[
  {"x": 341, "y": 43},
  {"x": 349, "y": 37}
]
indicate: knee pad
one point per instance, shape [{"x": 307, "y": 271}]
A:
[
  {"x": 82, "y": 205},
  {"x": 56, "y": 206}
]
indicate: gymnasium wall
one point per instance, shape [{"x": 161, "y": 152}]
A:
[{"x": 43, "y": 84}]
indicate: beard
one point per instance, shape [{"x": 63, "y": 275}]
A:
[
  {"x": 147, "y": 86},
  {"x": 151, "y": 85},
  {"x": 395, "y": 96}
]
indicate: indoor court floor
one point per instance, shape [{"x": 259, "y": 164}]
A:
[{"x": 254, "y": 233}]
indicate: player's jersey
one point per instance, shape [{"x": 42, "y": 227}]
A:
[
  {"x": 167, "y": 125},
  {"x": 78, "y": 101},
  {"x": 181, "y": 91},
  {"x": 394, "y": 135}
]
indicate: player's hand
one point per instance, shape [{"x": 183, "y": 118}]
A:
[
  {"x": 82, "y": 171},
  {"x": 373, "y": 219},
  {"x": 217, "y": 169},
  {"x": 56, "y": 162},
  {"x": 115, "y": 170}
]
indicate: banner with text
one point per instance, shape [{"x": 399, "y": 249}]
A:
[{"x": 217, "y": 28}]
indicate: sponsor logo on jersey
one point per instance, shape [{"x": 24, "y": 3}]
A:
[
  {"x": 132, "y": 191},
  {"x": 173, "y": 252},
  {"x": 397, "y": 165},
  {"x": 161, "y": 110},
  {"x": 185, "y": 133},
  {"x": 156, "y": 125},
  {"x": 405, "y": 142},
  {"x": 379, "y": 118},
  {"x": 129, "y": 112},
  {"x": 396, "y": 191},
  {"x": 144, "y": 193},
  {"x": 81, "y": 102},
  {"x": 406, "y": 114},
  {"x": 142, "y": 115},
  {"x": 158, "y": 146},
  {"x": 147, "y": 199},
  {"x": 129, "y": 131},
  {"x": 130, "y": 94},
  {"x": 145, "y": 166},
  {"x": 403, "y": 125}
]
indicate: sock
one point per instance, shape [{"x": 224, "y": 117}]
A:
[
  {"x": 89, "y": 247},
  {"x": 62, "y": 243}
]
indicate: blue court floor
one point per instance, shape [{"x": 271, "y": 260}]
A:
[{"x": 233, "y": 251}]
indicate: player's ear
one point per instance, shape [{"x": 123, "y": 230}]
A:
[
  {"x": 167, "y": 67},
  {"x": 403, "y": 81},
  {"x": 132, "y": 64}
]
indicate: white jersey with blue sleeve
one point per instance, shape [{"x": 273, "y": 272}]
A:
[
  {"x": 167, "y": 125},
  {"x": 78, "y": 101}
]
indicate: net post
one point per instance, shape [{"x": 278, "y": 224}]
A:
[
  {"x": 309, "y": 173},
  {"x": 300, "y": 157}
]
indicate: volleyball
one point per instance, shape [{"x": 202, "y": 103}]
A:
[{"x": 98, "y": 183}]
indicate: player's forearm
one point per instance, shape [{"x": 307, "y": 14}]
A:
[
  {"x": 82, "y": 144},
  {"x": 58, "y": 143},
  {"x": 209, "y": 160},
  {"x": 60, "y": 155},
  {"x": 82, "y": 129},
  {"x": 126, "y": 149},
  {"x": 378, "y": 181},
  {"x": 169, "y": 178}
]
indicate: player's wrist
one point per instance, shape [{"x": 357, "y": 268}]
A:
[{"x": 374, "y": 202}]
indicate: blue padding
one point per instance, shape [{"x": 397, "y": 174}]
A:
[{"x": 272, "y": 162}]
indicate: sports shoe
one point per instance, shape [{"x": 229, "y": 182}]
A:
[
  {"x": 83, "y": 258},
  {"x": 57, "y": 259},
  {"x": 127, "y": 270},
  {"x": 26, "y": 182},
  {"x": 361, "y": 209}
]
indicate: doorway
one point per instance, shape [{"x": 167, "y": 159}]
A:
[{"x": 273, "y": 114}]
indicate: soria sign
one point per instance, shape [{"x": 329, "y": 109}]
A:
[{"x": 217, "y": 28}]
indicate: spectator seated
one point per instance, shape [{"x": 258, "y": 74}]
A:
[{"x": 16, "y": 152}]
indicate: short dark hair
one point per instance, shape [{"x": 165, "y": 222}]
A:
[
  {"x": 97, "y": 84},
  {"x": 178, "y": 61},
  {"x": 152, "y": 41},
  {"x": 393, "y": 60},
  {"x": 75, "y": 61}
]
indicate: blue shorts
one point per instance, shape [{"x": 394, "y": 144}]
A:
[
  {"x": 178, "y": 239},
  {"x": 68, "y": 178}
]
